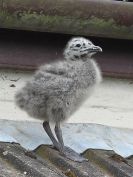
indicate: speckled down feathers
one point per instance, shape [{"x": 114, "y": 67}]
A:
[{"x": 58, "y": 89}]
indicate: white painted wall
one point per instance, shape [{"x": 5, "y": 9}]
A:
[{"x": 111, "y": 104}]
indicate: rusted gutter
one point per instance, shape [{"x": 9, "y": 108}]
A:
[{"x": 83, "y": 17}]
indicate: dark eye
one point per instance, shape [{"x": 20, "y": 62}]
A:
[{"x": 78, "y": 45}]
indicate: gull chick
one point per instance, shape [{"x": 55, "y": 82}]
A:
[{"x": 58, "y": 89}]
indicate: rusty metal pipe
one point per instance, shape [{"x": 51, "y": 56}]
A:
[{"x": 81, "y": 17}]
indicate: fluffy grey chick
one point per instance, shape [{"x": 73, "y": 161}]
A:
[{"x": 58, "y": 89}]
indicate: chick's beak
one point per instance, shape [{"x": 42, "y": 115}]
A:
[{"x": 95, "y": 49}]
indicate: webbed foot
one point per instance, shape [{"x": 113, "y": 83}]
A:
[{"x": 72, "y": 155}]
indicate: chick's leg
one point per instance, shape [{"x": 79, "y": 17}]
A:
[
  {"x": 58, "y": 115},
  {"x": 66, "y": 151},
  {"x": 47, "y": 128},
  {"x": 58, "y": 133}
]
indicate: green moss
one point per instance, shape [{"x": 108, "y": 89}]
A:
[
  {"x": 32, "y": 20},
  {"x": 108, "y": 26}
]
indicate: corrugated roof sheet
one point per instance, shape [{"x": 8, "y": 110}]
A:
[
  {"x": 47, "y": 162},
  {"x": 84, "y": 136}
]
